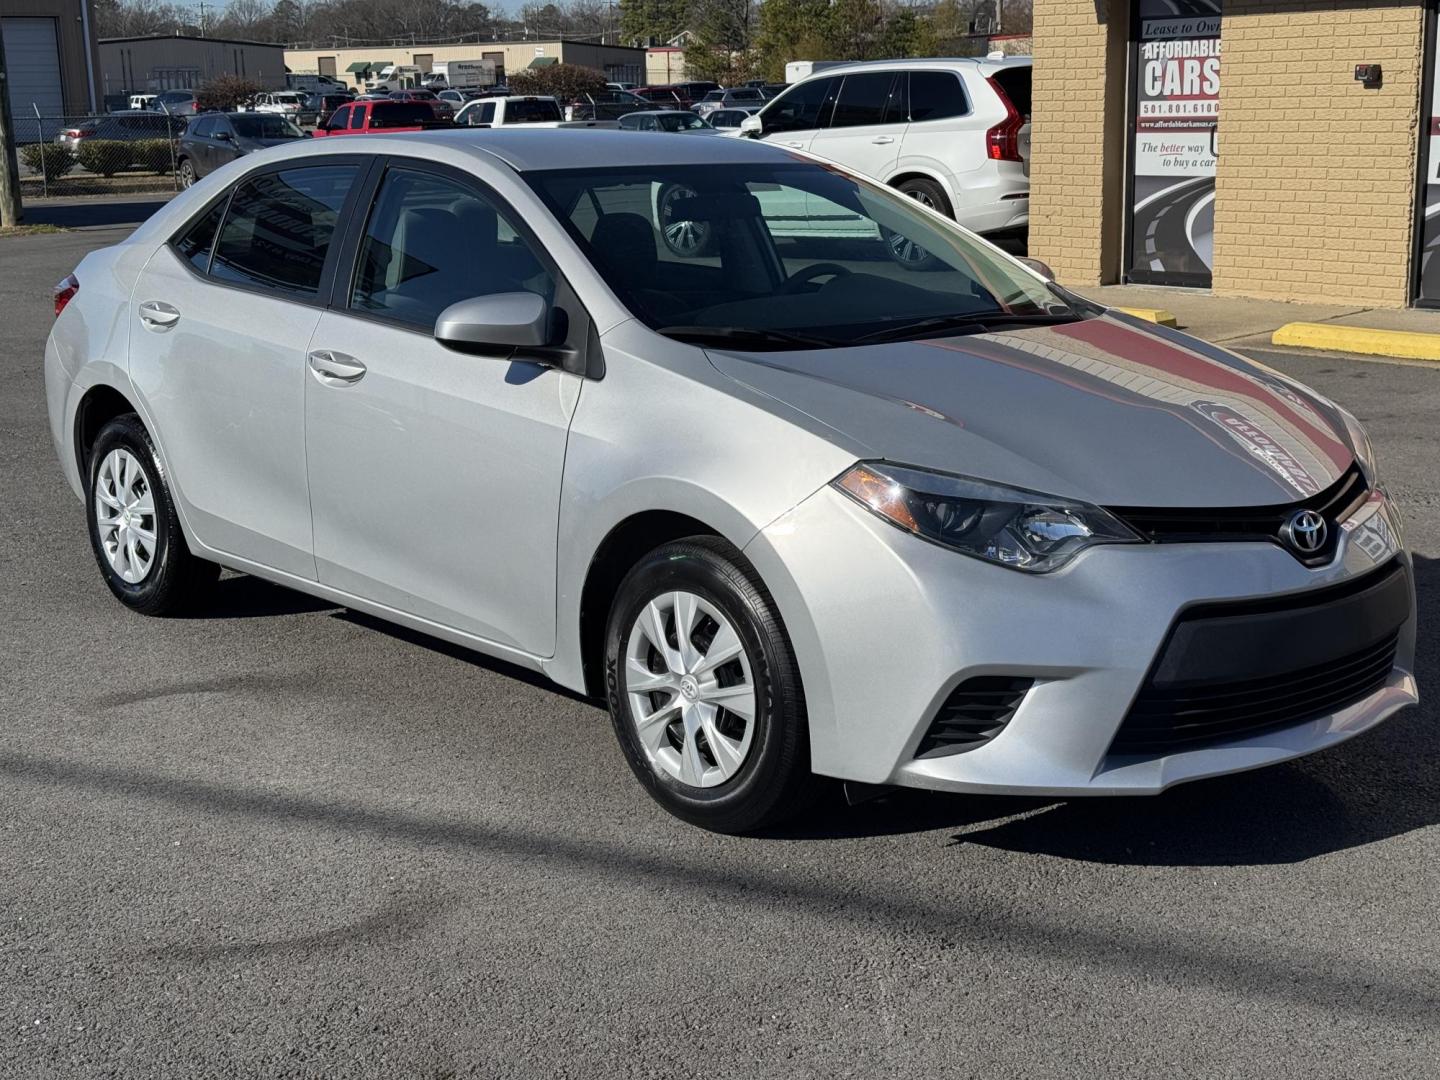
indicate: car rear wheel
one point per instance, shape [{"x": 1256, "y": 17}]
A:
[
  {"x": 685, "y": 238},
  {"x": 704, "y": 690},
  {"x": 134, "y": 530},
  {"x": 187, "y": 173},
  {"x": 904, "y": 250}
]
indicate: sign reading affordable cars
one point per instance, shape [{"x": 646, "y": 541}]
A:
[{"x": 1176, "y": 111}]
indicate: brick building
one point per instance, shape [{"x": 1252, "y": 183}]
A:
[{"x": 1233, "y": 144}]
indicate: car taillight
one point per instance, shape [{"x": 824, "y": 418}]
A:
[
  {"x": 1002, "y": 142},
  {"x": 65, "y": 292}
]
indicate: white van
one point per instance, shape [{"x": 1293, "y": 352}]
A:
[
  {"x": 952, "y": 134},
  {"x": 142, "y": 101}
]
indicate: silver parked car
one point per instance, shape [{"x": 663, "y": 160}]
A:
[{"x": 792, "y": 506}]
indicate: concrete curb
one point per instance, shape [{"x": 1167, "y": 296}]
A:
[
  {"x": 1403, "y": 344},
  {"x": 1150, "y": 314}
]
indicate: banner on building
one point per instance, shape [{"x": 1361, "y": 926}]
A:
[{"x": 1176, "y": 124}]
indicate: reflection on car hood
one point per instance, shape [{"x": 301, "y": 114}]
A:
[{"x": 1100, "y": 410}]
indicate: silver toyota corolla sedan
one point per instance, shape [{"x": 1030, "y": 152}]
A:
[{"x": 832, "y": 489}]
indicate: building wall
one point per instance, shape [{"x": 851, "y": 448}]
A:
[
  {"x": 1077, "y": 137},
  {"x": 517, "y": 56},
  {"x": 76, "y": 47},
  {"x": 151, "y": 64},
  {"x": 1315, "y": 187}
]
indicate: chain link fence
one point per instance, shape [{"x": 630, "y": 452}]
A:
[{"x": 97, "y": 153}]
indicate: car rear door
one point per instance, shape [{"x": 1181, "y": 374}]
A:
[
  {"x": 867, "y": 124},
  {"x": 222, "y": 316},
  {"x": 435, "y": 475}
]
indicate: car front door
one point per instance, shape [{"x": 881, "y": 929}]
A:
[
  {"x": 867, "y": 124},
  {"x": 435, "y": 475},
  {"x": 223, "y": 145},
  {"x": 792, "y": 118},
  {"x": 221, "y": 320}
]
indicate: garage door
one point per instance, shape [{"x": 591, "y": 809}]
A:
[{"x": 32, "y": 60}]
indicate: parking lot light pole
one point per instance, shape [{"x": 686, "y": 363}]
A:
[{"x": 10, "y": 209}]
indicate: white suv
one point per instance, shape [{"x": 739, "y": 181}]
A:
[{"x": 954, "y": 134}]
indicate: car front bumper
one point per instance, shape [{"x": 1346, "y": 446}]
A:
[{"x": 886, "y": 626}]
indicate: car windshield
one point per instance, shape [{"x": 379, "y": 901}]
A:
[
  {"x": 264, "y": 126},
  {"x": 680, "y": 122},
  {"x": 785, "y": 255}
]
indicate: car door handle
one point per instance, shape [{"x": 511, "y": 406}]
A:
[
  {"x": 158, "y": 315},
  {"x": 797, "y": 145},
  {"x": 335, "y": 369},
  {"x": 882, "y": 140}
]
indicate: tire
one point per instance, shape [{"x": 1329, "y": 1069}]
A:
[
  {"x": 904, "y": 251},
  {"x": 171, "y": 580},
  {"x": 687, "y": 239},
  {"x": 771, "y": 780},
  {"x": 187, "y": 173},
  {"x": 927, "y": 192}
]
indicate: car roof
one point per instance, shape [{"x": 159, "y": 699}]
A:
[
  {"x": 538, "y": 149},
  {"x": 983, "y": 63}
]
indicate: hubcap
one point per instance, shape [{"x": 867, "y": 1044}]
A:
[
  {"x": 125, "y": 515},
  {"x": 692, "y": 697}
]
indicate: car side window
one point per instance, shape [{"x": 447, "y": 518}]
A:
[
  {"x": 865, "y": 99},
  {"x": 803, "y": 107},
  {"x": 195, "y": 243},
  {"x": 935, "y": 95},
  {"x": 279, "y": 226},
  {"x": 205, "y": 128},
  {"x": 431, "y": 242},
  {"x": 357, "y": 117},
  {"x": 487, "y": 113}
]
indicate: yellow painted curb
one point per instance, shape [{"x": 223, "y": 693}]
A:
[
  {"x": 1150, "y": 314},
  {"x": 1406, "y": 344}
]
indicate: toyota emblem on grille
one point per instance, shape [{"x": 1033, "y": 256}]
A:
[{"x": 1305, "y": 531}]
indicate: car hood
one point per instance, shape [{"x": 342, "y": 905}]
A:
[{"x": 1101, "y": 410}]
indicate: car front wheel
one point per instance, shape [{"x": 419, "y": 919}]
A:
[
  {"x": 187, "y": 173},
  {"x": 134, "y": 530},
  {"x": 704, "y": 690}
]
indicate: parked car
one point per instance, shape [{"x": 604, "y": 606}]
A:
[
  {"x": 367, "y": 115},
  {"x": 953, "y": 134},
  {"x": 604, "y": 105},
  {"x": 290, "y": 104},
  {"x": 176, "y": 103},
  {"x": 790, "y": 510},
  {"x": 215, "y": 139},
  {"x": 322, "y": 105},
  {"x": 739, "y": 97},
  {"x": 442, "y": 109},
  {"x": 123, "y": 126},
  {"x": 627, "y": 86},
  {"x": 728, "y": 121},
  {"x": 527, "y": 110},
  {"x": 141, "y": 101},
  {"x": 457, "y": 99},
  {"x": 678, "y": 95},
  {"x": 771, "y": 90},
  {"x": 676, "y": 120}
]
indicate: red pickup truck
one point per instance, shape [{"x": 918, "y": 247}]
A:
[{"x": 365, "y": 117}]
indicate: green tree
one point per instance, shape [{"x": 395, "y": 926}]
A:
[
  {"x": 790, "y": 30},
  {"x": 724, "y": 32},
  {"x": 646, "y": 21}
]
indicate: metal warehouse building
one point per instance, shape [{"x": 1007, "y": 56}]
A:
[
  {"x": 353, "y": 66},
  {"x": 159, "y": 62},
  {"x": 1271, "y": 148},
  {"x": 49, "y": 56}
]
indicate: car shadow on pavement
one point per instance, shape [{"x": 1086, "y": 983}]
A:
[
  {"x": 1380, "y": 784},
  {"x": 240, "y": 596}
]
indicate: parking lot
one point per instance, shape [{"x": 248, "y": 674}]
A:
[{"x": 286, "y": 840}]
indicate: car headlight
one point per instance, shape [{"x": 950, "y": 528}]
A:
[
  {"x": 1023, "y": 530},
  {"x": 1360, "y": 444}
]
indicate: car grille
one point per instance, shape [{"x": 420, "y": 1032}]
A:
[
  {"x": 973, "y": 714},
  {"x": 1323, "y": 651},
  {"x": 1188, "y": 525}
]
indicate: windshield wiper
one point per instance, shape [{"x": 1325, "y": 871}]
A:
[
  {"x": 963, "y": 324},
  {"x": 742, "y": 336}
]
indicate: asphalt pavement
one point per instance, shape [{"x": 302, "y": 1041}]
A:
[{"x": 284, "y": 840}]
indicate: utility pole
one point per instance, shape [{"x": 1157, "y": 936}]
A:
[{"x": 10, "y": 211}]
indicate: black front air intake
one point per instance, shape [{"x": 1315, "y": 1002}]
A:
[{"x": 973, "y": 714}]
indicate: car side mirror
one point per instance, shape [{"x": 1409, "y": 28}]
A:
[
  {"x": 224, "y": 136},
  {"x": 499, "y": 323},
  {"x": 751, "y": 126},
  {"x": 1043, "y": 269}
]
